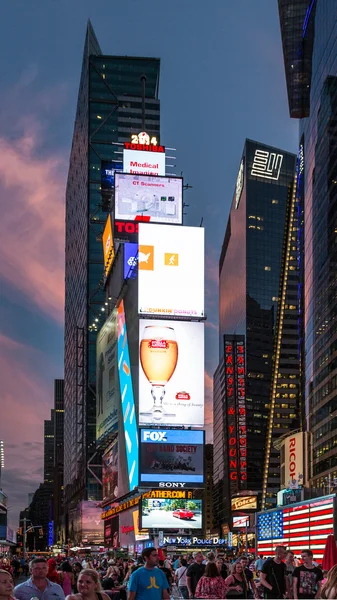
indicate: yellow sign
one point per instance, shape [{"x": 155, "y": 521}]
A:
[
  {"x": 171, "y": 260},
  {"x": 244, "y": 503},
  {"x": 121, "y": 506},
  {"x": 108, "y": 247},
  {"x": 140, "y": 534}
]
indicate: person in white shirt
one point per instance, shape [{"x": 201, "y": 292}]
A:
[{"x": 180, "y": 578}]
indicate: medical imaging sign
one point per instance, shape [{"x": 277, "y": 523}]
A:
[
  {"x": 171, "y": 458},
  {"x": 235, "y": 361},
  {"x": 148, "y": 198}
]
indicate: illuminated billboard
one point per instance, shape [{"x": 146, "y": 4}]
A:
[
  {"x": 241, "y": 521},
  {"x": 108, "y": 169},
  {"x": 110, "y": 471},
  {"x": 171, "y": 456},
  {"x": 244, "y": 503},
  {"x": 143, "y": 162},
  {"x": 107, "y": 390},
  {"x": 92, "y": 525},
  {"x": 111, "y": 532},
  {"x": 127, "y": 399},
  {"x": 140, "y": 534},
  {"x": 108, "y": 247},
  {"x": 156, "y": 199},
  {"x": 130, "y": 260},
  {"x": 171, "y": 514},
  {"x": 171, "y": 270},
  {"x": 171, "y": 372},
  {"x": 298, "y": 526}
]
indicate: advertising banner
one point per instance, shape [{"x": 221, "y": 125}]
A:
[
  {"x": 92, "y": 525},
  {"x": 293, "y": 459},
  {"x": 143, "y": 162},
  {"x": 111, "y": 532},
  {"x": 130, "y": 260},
  {"x": 140, "y": 534},
  {"x": 244, "y": 503},
  {"x": 171, "y": 270},
  {"x": 171, "y": 372},
  {"x": 171, "y": 514},
  {"x": 108, "y": 247},
  {"x": 170, "y": 457},
  {"x": 155, "y": 199},
  {"x": 110, "y": 471},
  {"x": 127, "y": 397},
  {"x": 108, "y": 169},
  {"x": 241, "y": 521},
  {"x": 107, "y": 392}
]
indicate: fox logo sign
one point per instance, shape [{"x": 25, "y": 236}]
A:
[{"x": 155, "y": 436}]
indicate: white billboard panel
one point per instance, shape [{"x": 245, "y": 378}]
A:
[
  {"x": 107, "y": 389},
  {"x": 294, "y": 460},
  {"x": 171, "y": 270},
  {"x": 159, "y": 199},
  {"x": 171, "y": 372},
  {"x": 143, "y": 162}
]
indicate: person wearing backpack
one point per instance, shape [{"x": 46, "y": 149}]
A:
[{"x": 180, "y": 578}]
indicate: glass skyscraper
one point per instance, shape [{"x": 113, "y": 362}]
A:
[
  {"x": 309, "y": 35},
  {"x": 110, "y": 108},
  {"x": 250, "y": 269}
]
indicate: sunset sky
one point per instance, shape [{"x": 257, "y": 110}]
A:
[{"x": 222, "y": 80}]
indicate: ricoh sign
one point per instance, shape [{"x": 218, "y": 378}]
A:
[{"x": 293, "y": 461}]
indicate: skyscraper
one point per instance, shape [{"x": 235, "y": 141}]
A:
[
  {"x": 49, "y": 449},
  {"x": 309, "y": 36},
  {"x": 58, "y": 459},
  {"x": 117, "y": 96},
  {"x": 250, "y": 270}
]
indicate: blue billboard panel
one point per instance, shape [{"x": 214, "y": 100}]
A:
[
  {"x": 127, "y": 399},
  {"x": 130, "y": 260},
  {"x": 170, "y": 456},
  {"x": 108, "y": 169}
]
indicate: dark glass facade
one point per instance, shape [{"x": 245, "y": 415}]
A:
[
  {"x": 109, "y": 109},
  {"x": 249, "y": 270},
  {"x": 318, "y": 135}
]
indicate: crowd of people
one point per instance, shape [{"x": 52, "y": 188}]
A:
[{"x": 152, "y": 578}]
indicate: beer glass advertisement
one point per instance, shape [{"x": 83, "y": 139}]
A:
[
  {"x": 171, "y": 372},
  {"x": 159, "y": 199},
  {"x": 110, "y": 471},
  {"x": 172, "y": 455},
  {"x": 171, "y": 270},
  {"x": 92, "y": 524},
  {"x": 107, "y": 390},
  {"x": 171, "y": 514}
]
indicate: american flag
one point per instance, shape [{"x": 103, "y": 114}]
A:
[{"x": 298, "y": 526}]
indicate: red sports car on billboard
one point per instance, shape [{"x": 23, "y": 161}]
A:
[{"x": 183, "y": 514}]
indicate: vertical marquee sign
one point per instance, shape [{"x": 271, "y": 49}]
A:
[{"x": 236, "y": 412}]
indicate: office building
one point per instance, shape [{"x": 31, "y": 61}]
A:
[
  {"x": 250, "y": 269},
  {"x": 309, "y": 36},
  {"x": 48, "y": 457},
  {"x": 58, "y": 460},
  {"x": 118, "y": 96}
]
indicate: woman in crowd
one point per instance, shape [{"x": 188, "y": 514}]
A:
[
  {"x": 77, "y": 568},
  {"x": 6, "y": 585},
  {"x": 89, "y": 587},
  {"x": 67, "y": 579},
  {"x": 222, "y": 569},
  {"x": 180, "y": 578},
  {"x": 236, "y": 582},
  {"x": 329, "y": 590},
  {"x": 211, "y": 584},
  {"x": 290, "y": 568}
]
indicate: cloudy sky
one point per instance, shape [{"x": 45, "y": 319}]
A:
[{"x": 222, "y": 80}]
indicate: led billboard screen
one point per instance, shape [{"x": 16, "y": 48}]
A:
[
  {"x": 244, "y": 503},
  {"x": 241, "y": 521},
  {"x": 107, "y": 391},
  {"x": 110, "y": 471},
  {"x": 170, "y": 456},
  {"x": 156, "y": 199},
  {"x": 143, "y": 162},
  {"x": 171, "y": 270},
  {"x": 171, "y": 372},
  {"x": 108, "y": 247},
  {"x": 92, "y": 525},
  {"x": 130, "y": 260},
  {"x": 127, "y": 398},
  {"x": 108, "y": 169},
  {"x": 171, "y": 514}
]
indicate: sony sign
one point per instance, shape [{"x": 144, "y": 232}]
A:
[{"x": 171, "y": 484}]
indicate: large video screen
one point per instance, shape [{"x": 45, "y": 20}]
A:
[
  {"x": 158, "y": 199},
  {"x": 128, "y": 401},
  {"x": 171, "y": 514},
  {"x": 143, "y": 162},
  {"x": 171, "y": 372},
  {"x": 108, "y": 169},
  {"x": 110, "y": 471},
  {"x": 171, "y": 270},
  {"x": 172, "y": 455},
  {"x": 107, "y": 389}
]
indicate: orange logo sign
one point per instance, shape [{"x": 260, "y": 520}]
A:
[
  {"x": 171, "y": 259},
  {"x": 146, "y": 258},
  {"x": 108, "y": 247}
]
